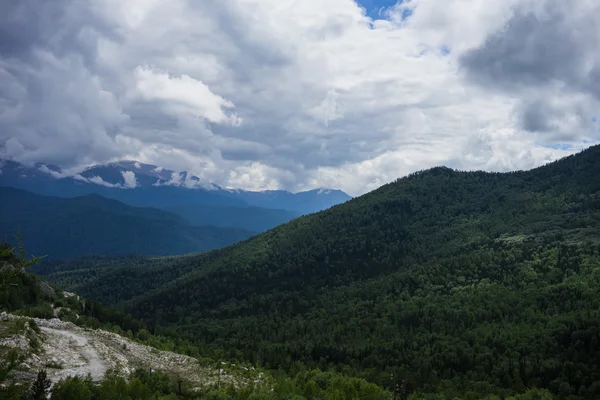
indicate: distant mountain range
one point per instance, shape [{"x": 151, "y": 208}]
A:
[
  {"x": 147, "y": 185},
  {"x": 134, "y": 208},
  {"x": 71, "y": 227},
  {"x": 251, "y": 218}
]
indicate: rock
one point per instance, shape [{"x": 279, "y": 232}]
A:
[
  {"x": 15, "y": 341},
  {"x": 3, "y": 316},
  {"x": 47, "y": 289}
]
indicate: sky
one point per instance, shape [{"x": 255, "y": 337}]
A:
[{"x": 267, "y": 94}]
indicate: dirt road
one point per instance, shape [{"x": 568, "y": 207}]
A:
[{"x": 75, "y": 353}]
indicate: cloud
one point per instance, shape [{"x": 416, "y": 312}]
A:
[
  {"x": 129, "y": 179},
  {"x": 546, "y": 56},
  {"x": 183, "y": 95},
  {"x": 52, "y": 172},
  {"x": 264, "y": 94},
  {"x": 186, "y": 180},
  {"x": 99, "y": 181}
]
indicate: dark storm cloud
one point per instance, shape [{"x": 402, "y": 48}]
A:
[
  {"x": 60, "y": 26},
  {"x": 538, "y": 48},
  {"x": 50, "y": 106},
  {"x": 23, "y": 24},
  {"x": 540, "y": 115},
  {"x": 543, "y": 56},
  {"x": 534, "y": 117},
  {"x": 299, "y": 94}
]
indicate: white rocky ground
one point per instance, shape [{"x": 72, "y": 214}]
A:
[{"x": 69, "y": 350}]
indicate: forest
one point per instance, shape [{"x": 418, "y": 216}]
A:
[
  {"x": 62, "y": 228},
  {"x": 444, "y": 284},
  {"x": 25, "y": 295}
]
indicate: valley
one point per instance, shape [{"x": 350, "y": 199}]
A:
[
  {"x": 94, "y": 225},
  {"x": 462, "y": 283}
]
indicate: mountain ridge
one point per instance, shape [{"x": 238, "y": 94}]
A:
[
  {"x": 448, "y": 278},
  {"x": 140, "y": 184},
  {"x": 92, "y": 224}
]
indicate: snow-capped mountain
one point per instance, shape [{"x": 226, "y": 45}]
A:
[
  {"x": 149, "y": 185},
  {"x": 132, "y": 174}
]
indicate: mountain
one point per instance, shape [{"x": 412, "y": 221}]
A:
[
  {"x": 254, "y": 219},
  {"x": 92, "y": 224},
  {"x": 38, "y": 180},
  {"x": 302, "y": 202},
  {"x": 55, "y": 344},
  {"x": 144, "y": 185},
  {"x": 461, "y": 284}
]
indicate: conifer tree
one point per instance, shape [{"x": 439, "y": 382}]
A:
[{"x": 41, "y": 386}]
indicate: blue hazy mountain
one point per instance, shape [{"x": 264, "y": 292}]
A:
[
  {"x": 92, "y": 224},
  {"x": 256, "y": 219},
  {"x": 145, "y": 185}
]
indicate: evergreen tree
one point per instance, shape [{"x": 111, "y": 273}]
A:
[{"x": 41, "y": 386}]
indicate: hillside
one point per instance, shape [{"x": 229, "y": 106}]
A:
[
  {"x": 59, "y": 344},
  {"x": 255, "y": 219},
  {"x": 64, "y": 228},
  {"x": 459, "y": 282}
]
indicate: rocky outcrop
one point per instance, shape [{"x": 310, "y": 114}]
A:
[{"x": 69, "y": 350}]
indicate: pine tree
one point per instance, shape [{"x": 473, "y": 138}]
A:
[{"x": 41, "y": 386}]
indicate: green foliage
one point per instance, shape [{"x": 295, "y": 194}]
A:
[
  {"x": 44, "y": 311},
  {"x": 9, "y": 362},
  {"x": 144, "y": 385},
  {"x": 18, "y": 289},
  {"x": 7, "y": 253},
  {"x": 73, "y": 388},
  {"x": 113, "y": 387},
  {"x": 466, "y": 284},
  {"x": 25, "y": 292},
  {"x": 41, "y": 386},
  {"x": 457, "y": 285},
  {"x": 23, "y": 261}
]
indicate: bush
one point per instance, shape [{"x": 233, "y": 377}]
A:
[
  {"x": 44, "y": 311},
  {"x": 41, "y": 386},
  {"x": 72, "y": 388}
]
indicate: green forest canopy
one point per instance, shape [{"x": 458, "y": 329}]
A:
[{"x": 459, "y": 283}]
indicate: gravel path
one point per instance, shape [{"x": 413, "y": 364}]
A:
[
  {"x": 69, "y": 350},
  {"x": 75, "y": 352}
]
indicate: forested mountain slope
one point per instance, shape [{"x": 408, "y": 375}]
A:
[
  {"x": 255, "y": 219},
  {"x": 462, "y": 283},
  {"x": 57, "y": 344},
  {"x": 92, "y": 224}
]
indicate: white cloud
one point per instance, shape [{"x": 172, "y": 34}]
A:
[
  {"x": 130, "y": 179},
  {"x": 183, "y": 95},
  {"x": 99, "y": 181},
  {"x": 53, "y": 173},
  {"x": 265, "y": 94},
  {"x": 79, "y": 177},
  {"x": 186, "y": 180}
]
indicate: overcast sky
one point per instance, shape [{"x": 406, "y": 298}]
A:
[{"x": 264, "y": 94}]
